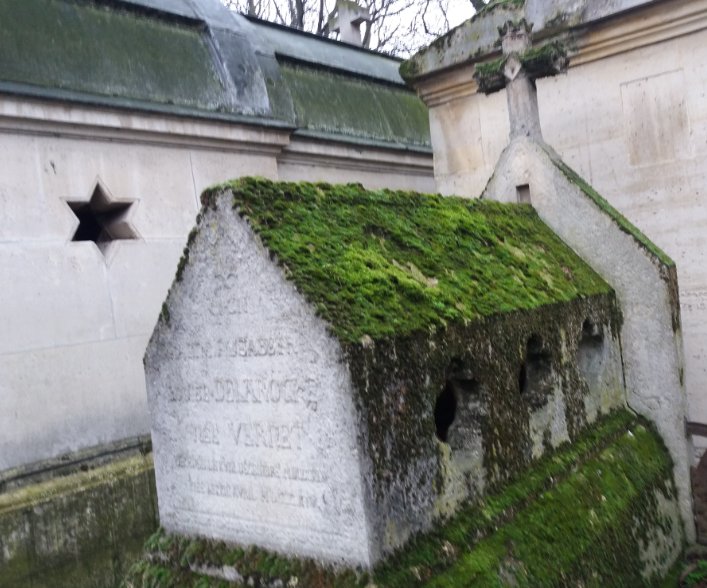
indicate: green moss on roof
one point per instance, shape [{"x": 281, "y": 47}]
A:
[
  {"x": 333, "y": 103},
  {"x": 386, "y": 263},
  {"x": 84, "y": 47}
]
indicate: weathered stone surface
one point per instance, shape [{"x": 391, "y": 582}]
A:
[
  {"x": 599, "y": 512},
  {"x": 645, "y": 280},
  {"x": 462, "y": 342},
  {"x": 475, "y": 39},
  {"x": 253, "y": 421},
  {"x": 78, "y": 530}
]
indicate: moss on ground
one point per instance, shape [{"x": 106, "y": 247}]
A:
[
  {"x": 385, "y": 263},
  {"x": 570, "y": 520}
]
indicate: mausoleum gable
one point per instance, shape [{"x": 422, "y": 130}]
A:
[{"x": 379, "y": 264}]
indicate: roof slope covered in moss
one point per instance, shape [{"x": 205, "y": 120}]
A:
[{"x": 382, "y": 264}]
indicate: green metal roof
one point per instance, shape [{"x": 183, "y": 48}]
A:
[{"x": 198, "y": 58}]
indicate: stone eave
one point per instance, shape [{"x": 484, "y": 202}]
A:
[{"x": 633, "y": 29}]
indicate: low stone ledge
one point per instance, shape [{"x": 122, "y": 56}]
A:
[{"x": 78, "y": 530}]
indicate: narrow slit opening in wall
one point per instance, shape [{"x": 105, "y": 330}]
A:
[
  {"x": 523, "y": 194},
  {"x": 445, "y": 412},
  {"x": 535, "y": 374},
  {"x": 590, "y": 353}
]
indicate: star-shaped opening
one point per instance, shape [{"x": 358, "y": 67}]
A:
[{"x": 102, "y": 219}]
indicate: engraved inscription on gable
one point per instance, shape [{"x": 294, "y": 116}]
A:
[{"x": 252, "y": 417}]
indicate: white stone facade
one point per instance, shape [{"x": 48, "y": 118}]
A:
[
  {"x": 75, "y": 322},
  {"x": 630, "y": 116}
]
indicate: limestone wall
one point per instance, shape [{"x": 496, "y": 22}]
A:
[
  {"x": 75, "y": 319},
  {"x": 631, "y": 117}
]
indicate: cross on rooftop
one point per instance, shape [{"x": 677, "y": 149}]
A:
[
  {"x": 516, "y": 70},
  {"x": 346, "y": 19}
]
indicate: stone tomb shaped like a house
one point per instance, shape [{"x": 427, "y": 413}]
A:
[{"x": 335, "y": 369}]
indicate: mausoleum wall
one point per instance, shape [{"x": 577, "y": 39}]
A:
[
  {"x": 76, "y": 319},
  {"x": 630, "y": 116}
]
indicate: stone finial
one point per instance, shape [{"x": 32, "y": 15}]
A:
[
  {"x": 515, "y": 41},
  {"x": 346, "y": 19},
  {"x": 516, "y": 70}
]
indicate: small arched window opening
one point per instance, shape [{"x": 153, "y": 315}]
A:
[
  {"x": 445, "y": 412},
  {"x": 535, "y": 374}
]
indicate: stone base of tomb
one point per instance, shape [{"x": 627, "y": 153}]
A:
[
  {"x": 600, "y": 512},
  {"x": 78, "y": 521}
]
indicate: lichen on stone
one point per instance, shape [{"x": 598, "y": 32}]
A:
[{"x": 538, "y": 62}]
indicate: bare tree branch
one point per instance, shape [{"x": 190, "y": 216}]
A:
[{"x": 399, "y": 27}]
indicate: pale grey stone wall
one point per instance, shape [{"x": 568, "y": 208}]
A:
[
  {"x": 252, "y": 420},
  {"x": 646, "y": 289}
]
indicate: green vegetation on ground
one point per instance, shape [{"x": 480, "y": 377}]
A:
[{"x": 575, "y": 518}]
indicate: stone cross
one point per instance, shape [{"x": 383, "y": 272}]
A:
[
  {"x": 521, "y": 93},
  {"x": 346, "y": 19},
  {"x": 518, "y": 68}
]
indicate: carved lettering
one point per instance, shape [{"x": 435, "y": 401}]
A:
[
  {"x": 297, "y": 498},
  {"x": 693, "y": 301},
  {"x": 252, "y": 391},
  {"x": 204, "y": 433},
  {"x": 275, "y": 345},
  {"x": 251, "y": 468},
  {"x": 269, "y": 435}
]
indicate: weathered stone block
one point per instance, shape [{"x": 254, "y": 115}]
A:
[{"x": 336, "y": 369}]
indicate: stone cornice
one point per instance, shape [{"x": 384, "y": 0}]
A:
[
  {"x": 308, "y": 151},
  {"x": 649, "y": 26},
  {"x": 448, "y": 86},
  {"x": 639, "y": 28},
  {"x": 38, "y": 117}
]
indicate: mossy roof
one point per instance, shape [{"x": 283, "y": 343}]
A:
[
  {"x": 95, "y": 49},
  {"x": 386, "y": 263},
  {"x": 199, "y": 59},
  {"x": 327, "y": 102}
]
